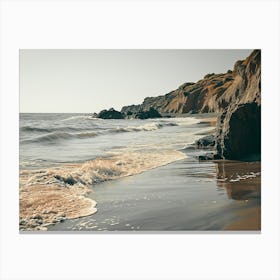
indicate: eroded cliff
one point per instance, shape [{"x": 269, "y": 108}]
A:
[{"x": 238, "y": 134}]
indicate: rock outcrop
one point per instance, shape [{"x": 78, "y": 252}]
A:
[
  {"x": 206, "y": 142},
  {"x": 235, "y": 95},
  {"x": 238, "y": 134},
  {"x": 149, "y": 114},
  {"x": 109, "y": 114},
  {"x": 213, "y": 93},
  {"x": 201, "y": 97}
]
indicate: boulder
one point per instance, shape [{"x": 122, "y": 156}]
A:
[
  {"x": 239, "y": 132},
  {"x": 149, "y": 114},
  {"x": 209, "y": 156},
  {"x": 206, "y": 142},
  {"x": 110, "y": 114}
]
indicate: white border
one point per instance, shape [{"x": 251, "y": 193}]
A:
[{"x": 155, "y": 24}]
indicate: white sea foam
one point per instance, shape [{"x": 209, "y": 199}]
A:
[
  {"x": 87, "y": 117},
  {"x": 184, "y": 121},
  {"x": 146, "y": 127},
  {"x": 100, "y": 169},
  {"x": 246, "y": 176},
  {"x": 63, "y": 135},
  {"x": 61, "y": 191}
]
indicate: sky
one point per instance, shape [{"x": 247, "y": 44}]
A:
[{"x": 87, "y": 81}]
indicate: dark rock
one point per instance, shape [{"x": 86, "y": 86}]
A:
[
  {"x": 205, "y": 142},
  {"x": 150, "y": 114},
  {"x": 239, "y": 134},
  {"x": 131, "y": 109},
  {"x": 110, "y": 114},
  {"x": 209, "y": 156}
]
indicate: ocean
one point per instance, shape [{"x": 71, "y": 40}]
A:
[
  {"x": 51, "y": 139},
  {"x": 131, "y": 174}
]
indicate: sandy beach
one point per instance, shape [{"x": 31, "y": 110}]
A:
[
  {"x": 144, "y": 187},
  {"x": 184, "y": 195}
]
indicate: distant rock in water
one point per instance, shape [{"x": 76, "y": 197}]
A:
[
  {"x": 238, "y": 133},
  {"x": 205, "y": 142},
  {"x": 209, "y": 156},
  {"x": 149, "y": 114},
  {"x": 110, "y": 114}
]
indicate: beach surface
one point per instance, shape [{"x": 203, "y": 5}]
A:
[
  {"x": 185, "y": 195},
  {"x": 83, "y": 174}
]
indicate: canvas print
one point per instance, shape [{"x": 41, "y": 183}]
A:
[{"x": 139, "y": 140}]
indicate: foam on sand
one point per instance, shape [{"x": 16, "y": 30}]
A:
[{"x": 51, "y": 195}]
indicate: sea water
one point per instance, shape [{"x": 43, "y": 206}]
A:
[{"x": 48, "y": 140}]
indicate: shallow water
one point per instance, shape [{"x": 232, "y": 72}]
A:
[
  {"x": 50, "y": 139},
  {"x": 184, "y": 195},
  {"x": 65, "y": 156}
]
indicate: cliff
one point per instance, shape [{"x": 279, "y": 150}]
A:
[
  {"x": 200, "y": 97},
  {"x": 238, "y": 134},
  {"x": 235, "y": 95},
  {"x": 213, "y": 93}
]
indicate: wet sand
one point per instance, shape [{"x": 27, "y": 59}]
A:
[
  {"x": 49, "y": 196},
  {"x": 241, "y": 183},
  {"x": 186, "y": 195},
  {"x": 249, "y": 219}
]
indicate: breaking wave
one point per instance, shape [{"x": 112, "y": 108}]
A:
[
  {"x": 100, "y": 169},
  {"x": 61, "y": 192},
  {"x": 35, "y": 129},
  {"x": 87, "y": 117},
  {"x": 55, "y": 136},
  {"x": 53, "y": 129},
  {"x": 62, "y": 135},
  {"x": 146, "y": 127}
]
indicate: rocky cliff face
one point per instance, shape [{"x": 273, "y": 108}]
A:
[
  {"x": 238, "y": 134},
  {"x": 235, "y": 95},
  {"x": 213, "y": 93},
  {"x": 200, "y": 97}
]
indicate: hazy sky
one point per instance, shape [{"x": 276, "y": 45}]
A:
[{"x": 92, "y": 80}]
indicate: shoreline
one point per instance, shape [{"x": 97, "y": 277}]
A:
[
  {"x": 85, "y": 195},
  {"x": 53, "y": 199},
  {"x": 182, "y": 196}
]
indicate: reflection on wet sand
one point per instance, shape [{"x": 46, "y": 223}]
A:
[{"x": 242, "y": 182}]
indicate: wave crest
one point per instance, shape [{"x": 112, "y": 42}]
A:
[
  {"x": 60, "y": 192},
  {"x": 101, "y": 169},
  {"x": 55, "y": 136},
  {"x": 62, "y": 135},
  {"x": 86, "y": 117},
  {"x": 34, "y": 129}
]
